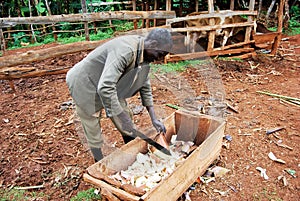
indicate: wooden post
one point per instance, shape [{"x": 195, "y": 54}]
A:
[
  {"x": 211, "y": 35},
  {"x": 197, "y": 5},
  {"x": 2, "y": 41},
  {"x": 135, "y": 22},
  {"x": 168, "y": 5},
  {"x": 232, "y": 5},
  {"x": 147, "y": 6},
  {"x": 250, "y": 19},
  {"x": 155, "y": 8},
  {"x": 279, "y": 28},
  {"x": 86, "y": 24}
]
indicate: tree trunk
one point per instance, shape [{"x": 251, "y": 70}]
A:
[{"x": 270, "y": 9}]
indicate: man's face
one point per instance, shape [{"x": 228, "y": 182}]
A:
[{"x": 156, "y": 53}]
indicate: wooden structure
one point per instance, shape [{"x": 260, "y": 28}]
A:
[
  {"x": 206, "y": 132},
  {"x": 246, "y": 47},
  {"x": 242, "y": 49}
]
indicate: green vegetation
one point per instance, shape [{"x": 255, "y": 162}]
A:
[
  {"x": 19, "y": 195},
  {"x": 175, "y": 67},
  {"x": 294, "y": 24},
  {"x": 88, "y": 195}
]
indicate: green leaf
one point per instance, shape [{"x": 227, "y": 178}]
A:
[{"x": 40, "y": 7}]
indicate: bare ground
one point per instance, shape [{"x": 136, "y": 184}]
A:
[{"x": 40, "y": 144}]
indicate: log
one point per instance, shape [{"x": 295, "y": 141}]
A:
[
  {"x": 38, "y": 55},
  {"x": 28, "y": 74},
  {"x": 86, "y": 17},
  {"x": 196, "y": 55}
]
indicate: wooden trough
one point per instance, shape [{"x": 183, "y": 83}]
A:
[{"x": 205, "y": 131}]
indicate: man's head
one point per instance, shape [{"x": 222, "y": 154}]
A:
[{"x": 158, "y": 44}]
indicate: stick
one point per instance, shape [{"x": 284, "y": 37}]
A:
[
  {"x": 289, "y": 102},
  {"x": 232, "y": 108},
  {"x": 173, "y": 106},
  {"x": 29, "y": 187},
  {"x": 278, "y": 96},
  {"x": 273, "y": 130},
  {"x": 284, "y": 146}
]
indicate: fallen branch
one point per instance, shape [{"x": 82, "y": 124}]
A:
[
  {"x": 287, "y": 98},
  {"x": 284, "y": 146},
  {"x": 29, "y": 187}
]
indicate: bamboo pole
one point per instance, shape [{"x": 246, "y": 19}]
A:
[{"x": 279, "y": 96}]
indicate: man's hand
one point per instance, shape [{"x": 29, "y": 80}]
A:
[
  {"x": 159, "y": 126},
  {"x": 125, "y": 122}
]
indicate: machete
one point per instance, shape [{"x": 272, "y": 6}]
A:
[{"x": 144, "y": 137}]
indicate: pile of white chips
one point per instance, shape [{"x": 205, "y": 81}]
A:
[{"x": 150, "y": 168}]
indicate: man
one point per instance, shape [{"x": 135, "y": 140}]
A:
[{"x": 111, "y": 73}]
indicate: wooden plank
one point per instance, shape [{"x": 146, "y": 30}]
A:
[
  {"x": 221, "y": 14},
  {"x": 119, "y": 159},
  {"x": 123, "y": 195},
  {"x": 85, "y": 17},
  {"x": 244, "y": 56},
  {"x": 263, "y": 38},
  {"x": 172, "y": 187},
  {"x": 237, "y": 45},
  {"x": 213, "y": 27},
  {"x": 196, "y": 55}
]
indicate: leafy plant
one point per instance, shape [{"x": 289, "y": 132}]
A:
[
  {"x": 19, "y": 195},
  {"x": 88, "y": 195},
  {"x": 174, "y": 67}
]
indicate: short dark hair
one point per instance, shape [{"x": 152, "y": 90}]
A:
[{"x": 161, "y": 35}]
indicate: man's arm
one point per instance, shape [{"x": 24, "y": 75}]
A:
[
  {"x": 114, "y": 68},
  {"x": 147, "y": 101}
]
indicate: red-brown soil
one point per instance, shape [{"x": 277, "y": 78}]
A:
[{"x": 40, "y": 142}]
